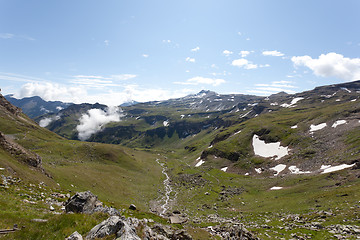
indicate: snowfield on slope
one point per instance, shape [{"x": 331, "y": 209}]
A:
[
  {"x": 318, "y": 127},
  {"x": 329, "y": 168},
  {"x": 263, "y": 149},
  {"x": 278, "y": 169},
  {"x": 338, "y": 122}
]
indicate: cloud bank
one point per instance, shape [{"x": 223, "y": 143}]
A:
[
  {"x": 331, "y": 65},
  {"x": 202, "y": 80},
  {"x": 92, "y": 121},
  {"x": 46, "y": 121},
  {"x": 274, "y": 53},
  {"x": 244, "y": 63},
  {"x": 51, "y": 92}
]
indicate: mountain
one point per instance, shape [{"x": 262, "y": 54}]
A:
[
  {"x": 36, "y": 106},
  {"x": 284, "y": 166}
]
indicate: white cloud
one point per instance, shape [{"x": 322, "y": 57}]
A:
[
  {"x": 51, "y": 92},
  {"x": 195, "y": 49},
  {"x": 92, "y": 121},
  {"x": 18, "y": 78},
  {"x": 107, "y": 42},
  {"x": 6, "y": 35},
  {"x": 202, "y": 80},
  {"x": 145, "y": 55},
  {"x": 331, "y": 65},
  {"x": 109, "y": 94},
  {"x": 273, "y": 87},
  {"x": 46, "y": 121},
  {"x": 134, "y": 92},
  {"x": 244, "y": 63},
  {"x": 244, "y": 53},
  {"x": 273, "y": 53},
  {"x": 227, "y": 53},
  {"x": 123, "y": 77},
  {"x": 100, "y": 82},
  {"x": 189, "y": 59}
]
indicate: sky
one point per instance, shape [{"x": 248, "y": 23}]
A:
[{"x": 115, "y": 51}]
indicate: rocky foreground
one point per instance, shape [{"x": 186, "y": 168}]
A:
[{"x": 132, "y": 228}]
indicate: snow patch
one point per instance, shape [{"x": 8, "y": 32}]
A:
[
  {"x": 276, "y": 188},
  {"x": 258, "y": 170},
  {"x": 182, "y": 116},
  {"x": 314, "y": 128},
  {"x": 338, "y": 122},
  {"x": 296, "y": 170},
  {"x": 237, "y": 132},
  {"x": 244, "y": 115},
  {"x": 354, "y": 100},
  {"x": 166, "y": 123},
  {"x": 269, "y": 149},
  {"x": 293, "y": 102},
  {"x": 224, "y": 169},
  {"x": 343, "y": 88},
  {"x": 278, "y": 168},
  {"x": 201, "y": 162},
  {"x": 329, "y": 168},
  {"x": 294, "y": 127}
]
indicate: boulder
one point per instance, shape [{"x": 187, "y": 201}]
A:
[
  {"x": 75, "y": 236},
  {"x": 107, "y": 227},
  {"x": 108, "y": 210},
  {"x": 127, "y": 233},
  {"x": 177, "y": 219},
  {"x": 132, "y": 207},
  {"x": 82, "y": 202},
  {"x": 112, "y": 225}
]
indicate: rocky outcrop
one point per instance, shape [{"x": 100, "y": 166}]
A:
[
  {"x": 75, "y": 236},
  {"x": 19, "y": 152},
  {"x": 8, "y": 106},
  {"x": 232, "y": 232},
  {"x": 87, "y": 202},
  {"x": 112, "y": 225}
]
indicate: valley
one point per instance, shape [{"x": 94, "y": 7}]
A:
[{"x": 216, "y": 166}]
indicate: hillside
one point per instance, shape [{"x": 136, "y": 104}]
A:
[
  {"x": 285, "y": 166},
  {"x": 118, "y": 176}
]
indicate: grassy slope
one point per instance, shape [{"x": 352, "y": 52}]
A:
[{"x": 119, "y": 176}]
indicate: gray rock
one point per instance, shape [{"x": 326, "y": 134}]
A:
[
  {"x": 177, "y": 219},
  {"x": 107, "y": 227},
  {"x": 182, "y": 235},
  {"x": 113, "y": 225},
  {"x": 81, "y": 202},
  {"x": 108, "y": 210},
  {"x": 127, "y": 233},
  {"x": 132, "y": 207},
  {"x": 75, "y": 236}
]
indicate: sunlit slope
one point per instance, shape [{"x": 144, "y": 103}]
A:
[{"x": 119, "y": 175}]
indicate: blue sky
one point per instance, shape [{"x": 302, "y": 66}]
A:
[{"x": 115, "y": 51}]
